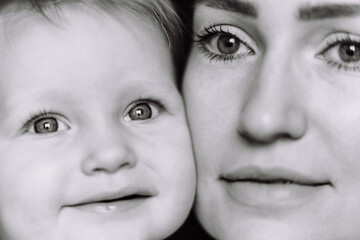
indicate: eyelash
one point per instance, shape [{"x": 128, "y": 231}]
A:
[
  {"x": 33, "y": 118},
  {"x": 147, "y": 100},
  {"x": 337, "y": 39},
  {"x": 215, "y": 29},
  {"x": 203, "y": 41}
]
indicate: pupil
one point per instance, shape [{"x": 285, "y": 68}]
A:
[
  {"x": 228, "y": 44},
  {"x": 46, "y": 125},
  {"x": 349, "y": 52},
  {"x": 141, "y": 112}
]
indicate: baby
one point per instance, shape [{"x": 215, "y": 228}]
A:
[{"x": 93, "y": 139}]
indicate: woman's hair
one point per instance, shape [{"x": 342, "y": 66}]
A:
[{"x": 160, "y": 13}]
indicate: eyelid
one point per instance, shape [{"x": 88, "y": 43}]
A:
[
  {"x": 226, "y": 29},
  {"x": 149, "y": 101},
  {"x": 334, "y": 39},
  {"x": 44, "y": 114}
]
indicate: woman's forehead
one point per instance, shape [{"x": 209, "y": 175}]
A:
[{"x": 304, "y": 10}]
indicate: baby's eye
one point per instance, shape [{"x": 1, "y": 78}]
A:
[
  {"x": 342, "y": 51},
  {"x": 46, "y": 123},
  {"x": 224, "y": 42},
  {"x": 142, "y": 111}
]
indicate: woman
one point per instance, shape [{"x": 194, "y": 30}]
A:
[{"x": 272, "y": 90}]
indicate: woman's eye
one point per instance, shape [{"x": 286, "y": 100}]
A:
[
  {"x": 222, "y": 42},
  {"x": 343, "y": 52},
  {"x": 349, "y": 52},
  {"x": 227, "y": 45},
  {"x": 46, "y": 124},
  {"x": 142, "y": 111}
]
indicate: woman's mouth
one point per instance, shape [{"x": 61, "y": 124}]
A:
[{"x": 273, "y": 188}]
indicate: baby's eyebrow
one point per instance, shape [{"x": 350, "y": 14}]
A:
[
  {"x": 326, "y": 11},
  {"x": 243, "y": 7}
]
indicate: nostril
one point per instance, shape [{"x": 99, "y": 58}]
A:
[
  {"x": 297, "y": 124},
  {"x": 112, "y": 168},
  {"x": 108, "y": 160},
  {"x": 266, "y": 128},
  {"x": 259, "y": 140}
]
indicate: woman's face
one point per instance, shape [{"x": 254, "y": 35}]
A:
[{"x": 272, "y": 90}]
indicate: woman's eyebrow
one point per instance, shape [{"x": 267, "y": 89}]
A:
[
  {"x": 238, "y": 6},
  {"x": 320, "y": 12}
]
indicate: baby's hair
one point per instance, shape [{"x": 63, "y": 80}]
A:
[{"x": 162, "y": 13}]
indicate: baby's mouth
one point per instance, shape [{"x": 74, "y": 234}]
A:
[
  {"x": 126, "y": 198},
  {"x": 113, "y": 203}
]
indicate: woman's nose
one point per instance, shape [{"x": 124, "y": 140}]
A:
[
  {"x": 108, "y": 152},
  {"x": 272, "y": 109}
]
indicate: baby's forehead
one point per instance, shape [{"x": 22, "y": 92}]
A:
[
  {"x": 39, "y": 52},
  {"x": 15, "y": 17}
]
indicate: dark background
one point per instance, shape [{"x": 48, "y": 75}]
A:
[{"x": 191, "y": 229}]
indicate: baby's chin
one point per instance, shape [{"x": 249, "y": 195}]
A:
[
  {"x": 114, "y": 232},
  {"x": 145, "y": 226}
]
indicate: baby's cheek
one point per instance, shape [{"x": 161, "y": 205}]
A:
[
  {"x": 29, "y": 187},
  {"x": 175, "y": 152},
  {"x": 176, "y": 174}
]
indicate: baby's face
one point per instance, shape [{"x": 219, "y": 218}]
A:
[{"x": 93, "y": 139}]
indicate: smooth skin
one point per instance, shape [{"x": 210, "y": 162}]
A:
[
  {"x": 272, "y": 93},
  {"x": 75, "y": 128}
]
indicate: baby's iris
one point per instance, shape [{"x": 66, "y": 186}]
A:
[
  {"x": 46, "y": 125},
  {"x": 141, "y": 111}
]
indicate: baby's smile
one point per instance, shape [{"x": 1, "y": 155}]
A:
[
  {"x": 87, "y": 141},
  {"x": 121, "y": 201}
]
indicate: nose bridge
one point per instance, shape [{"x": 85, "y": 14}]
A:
[
  {"x": 108, "y": 148},
  {"x": 272, "y": 109},
  {"x": 272, "y": 80}
]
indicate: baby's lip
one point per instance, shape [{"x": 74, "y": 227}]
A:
[
  {"x": 273, "y": 176},
  {"x": 125, "y": 194}
]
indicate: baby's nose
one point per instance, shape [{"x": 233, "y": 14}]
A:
[{"x": 108, "y": 153}]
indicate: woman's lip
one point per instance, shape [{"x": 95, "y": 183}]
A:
[
  {"x": 273, "y": 188},
  {"x": 272, "y": 176},
  {"x": 275, "y": 196}
]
